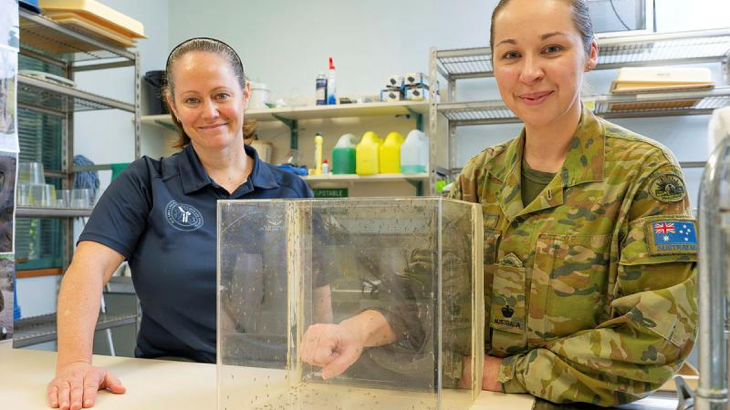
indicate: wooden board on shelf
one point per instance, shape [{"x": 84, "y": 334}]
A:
[
  {"x": 93, "y": 10},
  {"x": 35, "y": 273}
]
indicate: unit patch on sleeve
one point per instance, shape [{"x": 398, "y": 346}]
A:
[
  {"x": 672, "y": 237},
  {"x": 667, "y": 188}
]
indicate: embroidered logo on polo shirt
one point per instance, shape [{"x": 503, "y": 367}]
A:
[{"x": 183, "y": 217}]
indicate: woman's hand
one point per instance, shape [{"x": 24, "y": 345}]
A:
[
  {"x": 491, "y": 371},
  {"x": 333, "y": 347},
  {"x": 76, "y": 384}
]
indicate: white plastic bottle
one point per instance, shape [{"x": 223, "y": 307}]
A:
[
  {"x": 331, "y": 84},
  {"x": 414, "y": 153}
]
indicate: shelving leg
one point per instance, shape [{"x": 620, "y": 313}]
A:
[{"x": 293, "y": 130}]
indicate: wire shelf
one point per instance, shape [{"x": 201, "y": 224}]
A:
[
  {"x": 57, "y": 99},
  {"x": 682, "y": 47},
  {"x": 41, "y": 329},
  {"x": 42, "y": 36},
  {"x": 607, "y": 106}
]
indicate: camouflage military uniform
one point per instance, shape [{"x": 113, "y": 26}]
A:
[{"x": 590, "y": 289}]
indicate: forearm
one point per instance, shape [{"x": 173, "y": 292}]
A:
[
  {"x": 624, "y": 359},
  {"x": 372, "y": 328},
  {"x": 78, "y": 310},
  {"x": 79, "y": 300}
]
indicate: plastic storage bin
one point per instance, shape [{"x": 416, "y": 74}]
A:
[{"x": 275, "y": 258}]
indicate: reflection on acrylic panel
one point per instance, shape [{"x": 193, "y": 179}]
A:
[
  {"x": 8, "y": 162},
  {"x": 8, "y": 87},
  {"x": 285, "y": 265},
  {"x": 9, "y": 30},
  {"x": 7, "y": 268}
]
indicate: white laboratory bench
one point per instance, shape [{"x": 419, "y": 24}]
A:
[{"x": 161, "y": 384}]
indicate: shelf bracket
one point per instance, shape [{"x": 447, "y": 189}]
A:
[
  {"x": 419, "y": 119},
  {"x": 293, "y": 130},
  {"x": 418, "y": 185},
  {"x": 165, "y": 125}
]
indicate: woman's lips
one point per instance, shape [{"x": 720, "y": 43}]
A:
[
  {"x": 211, "y": 127},
  {"x": 535, "y": 98}
]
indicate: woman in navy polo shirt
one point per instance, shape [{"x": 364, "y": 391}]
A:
[{"x": 161, "y": 217}]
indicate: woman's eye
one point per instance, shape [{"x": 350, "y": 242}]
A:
[
  {"x": 222, "y": 96},
  {"x": 510, "y": 55},
  {"x": 552, "y": 49},
  {"x": 191, "y": 100}
]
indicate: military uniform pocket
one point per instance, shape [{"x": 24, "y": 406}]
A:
[{"x": 568, "y": 288}]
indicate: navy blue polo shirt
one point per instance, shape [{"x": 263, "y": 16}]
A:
[{"x": 161, "y": 215}]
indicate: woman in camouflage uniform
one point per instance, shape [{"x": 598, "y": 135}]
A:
[{"x": 590, "y": 245}]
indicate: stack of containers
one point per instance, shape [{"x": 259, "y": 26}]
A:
[
  {"x": 32, "y": 187},
  {"x": 393, "y": 90},
  {"x": 33, "y": 191},
  {"x": 416, "y": 87}
]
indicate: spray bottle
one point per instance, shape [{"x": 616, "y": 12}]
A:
[{"x": 331, "y": 84}]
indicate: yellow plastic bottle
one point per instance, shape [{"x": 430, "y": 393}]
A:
[
  {"x": 318, "y": 154},
  {"x": 390, "y": 153},
  {"x": 366, "y": 154}
]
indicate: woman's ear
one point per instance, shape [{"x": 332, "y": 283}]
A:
[
  {"x": 171, "y": 104},
  {"x": 246, "y": 94},
  {"x": 592, "y": 59}
]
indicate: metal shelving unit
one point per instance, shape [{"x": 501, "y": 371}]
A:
[
  {"x": 606, "y": 106},
  {"x": 289, "y": 116},
  {"x": 72, "y": 52},
  {"x": 38, "y": 212},
  {"x": 54, "y": 99},
  {"x": 42, "y": 329},
  {"x": 691, "y": 47}
]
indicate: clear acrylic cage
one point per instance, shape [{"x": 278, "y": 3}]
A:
[{"x": 284, "y": 265}]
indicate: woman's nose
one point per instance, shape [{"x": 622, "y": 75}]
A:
[
  {"x": 210, "y": 109},
  {"x": 531, "y": 70}
]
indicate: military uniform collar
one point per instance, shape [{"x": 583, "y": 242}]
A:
[
  {"x": 194, "y": 176},
  {"x": 583, "y": 163}
]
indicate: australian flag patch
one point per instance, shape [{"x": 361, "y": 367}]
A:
[{"x": 673, "y": 237}]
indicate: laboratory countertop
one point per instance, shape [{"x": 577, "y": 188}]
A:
[{"x": 161, "y": 384}]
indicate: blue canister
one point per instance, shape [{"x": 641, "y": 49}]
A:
[{"x": 321, "y": 89}]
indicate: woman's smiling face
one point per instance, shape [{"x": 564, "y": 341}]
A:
[
  {"x": 539, "y": 60},
  {"x": 208, "y": 100}
]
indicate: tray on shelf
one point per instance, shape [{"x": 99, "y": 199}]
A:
[
  {"x": 43, "y": 36},
  {"x": 607, "y": 106},
  {"x": 662, "y": 48},
  {"x": 41, "y": 329},
  {"x": 47, "y": 96}
]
